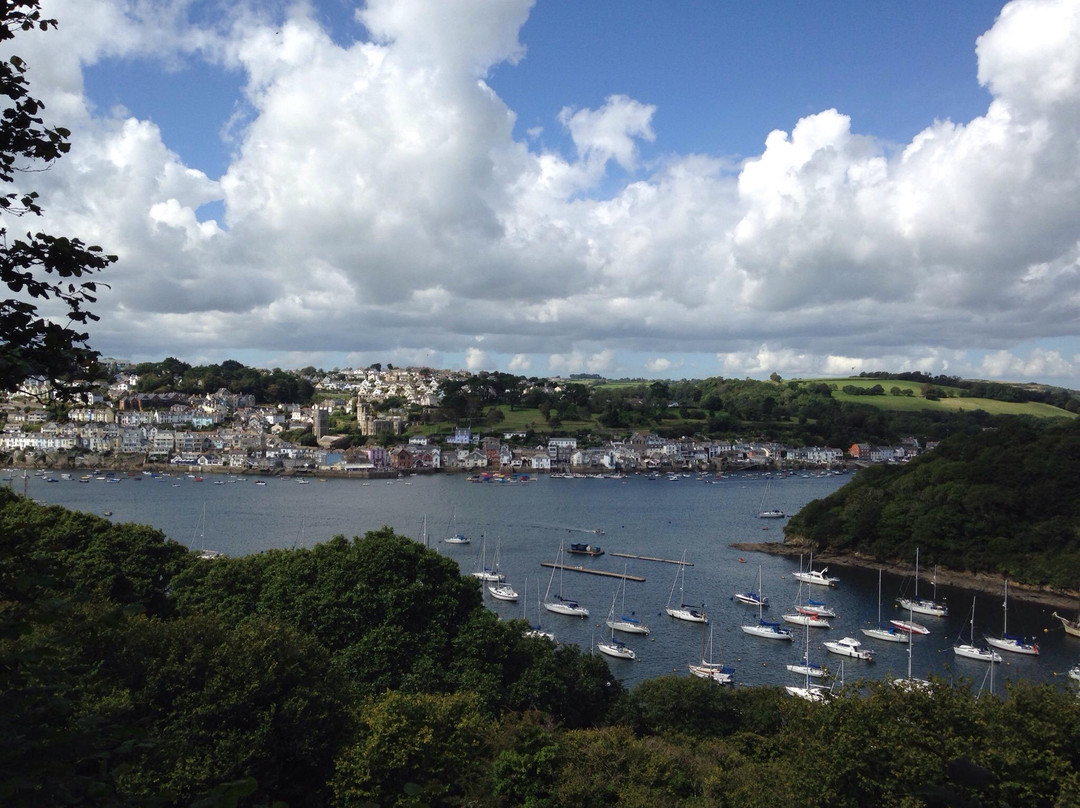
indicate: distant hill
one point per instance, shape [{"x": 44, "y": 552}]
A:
[
  {"x": 915, "y": 392},
  {"x": 1003, "y": 501}
]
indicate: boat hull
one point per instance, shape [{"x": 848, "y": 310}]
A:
[
  {"x": 1013, "y": 646},
  {"x": 911, "y": 628},
  {"x": 567, "y": 609},
  {"x": 812, "y": 693},
  {"x": 811, "y": 620},
  {"x": 927, "y": 607},
  {"x": 966, "y": 651},
  {"x": 815, "y": 577},
  {"x": 503, "y": 593},
  {"x": 720, "y": 674},
  {"x": 768, "y": 632},
  {"x": 616, "y": 650},
  {"x": 628, "y": 626},
  {"x": 1072, "y": 627},
  {"x": 816, "y": 671},
  {"x": 750, "y": 599},
  {"x": 849, "y": 648},
  {"x": 689, "y": 615},
  {"x": 888, "y": 635}
]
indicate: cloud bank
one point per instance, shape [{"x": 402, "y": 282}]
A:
[{"x": 377, "y": 207}]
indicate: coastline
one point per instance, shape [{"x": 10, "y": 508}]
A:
[{"x": 976, "y": 581}]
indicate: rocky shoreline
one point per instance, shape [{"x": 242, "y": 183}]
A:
[{"x": 977, "y": 581}]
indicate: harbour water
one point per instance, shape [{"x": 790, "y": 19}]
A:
[{"x": 639, "y": 516}]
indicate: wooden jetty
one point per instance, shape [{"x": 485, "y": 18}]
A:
[
  {"x": 579, "y": 568},
  {"x": 652, "y": 558}
]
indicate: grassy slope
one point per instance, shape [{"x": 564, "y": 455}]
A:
[{"x": 952, "y": 404}]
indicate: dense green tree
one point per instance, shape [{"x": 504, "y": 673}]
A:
[
  {"x": 38, "y": 268},
  {"x": 414, "y": 749},
  {"x": 1003, "y": 501}
]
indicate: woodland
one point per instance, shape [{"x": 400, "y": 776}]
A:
[{"x": 366, "y": 672}]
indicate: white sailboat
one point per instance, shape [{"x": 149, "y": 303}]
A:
[
  {"x": 928, "y": 606},
  {"x": 801, "y": 618},
  {"x": 537, "y": 630},
  {"x": 707, "y": 669},
  {"x": 968, "y": 650},
  {"x": 485, "y": 573},
  {"x": 455, "y": 537},
  {"x": 612, "y": 647},
  {"x": 200, "y": 533},
  {"x": 809, "y": 691},
  {"x": 910, "y": 682},
  {"x": 561, "y": 605},
  {"x": 1011, "y": 642},
  {"x": 751, "y": 597},
  {"x": 628, "y": 623},
  {"x": 820, "y": 608},
  {"x": 882, "y": 632},
  {"x": 766, "y": 628},
  {"x": 771, "y": 513},
  {"x": 683, "y": 611}
]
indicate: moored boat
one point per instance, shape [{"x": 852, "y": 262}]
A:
[
  {"x": 1011, "y": 642},
  {"x": 968, "y": 650},
  {"x": 503, "y": 592},
  {"x": 1071, "y": 627},
  {"x": 815, "y": 607},
  {"x": 616, "y": 649},
  {"x": 585, "y": 549},
  {"x": 928, "y": 606},
  {"x": 684, "y": 611},
  {"x": 707, "y": 669},
  {"x": 910, "y": 626},
  {"x": 849, "y": 647},
  {"x": 561, "y": 605}
]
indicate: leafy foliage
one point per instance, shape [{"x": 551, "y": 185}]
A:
[
  {"x": 269, "y": 387},
  {"x": 39, "y": 268},
  {"x": 1004, "y": 500},
  {"x": 367, "y": 671}
]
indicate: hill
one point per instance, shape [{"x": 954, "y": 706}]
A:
[
  {"x": 907, "y": 395},
  {"x": 1004, "y": 501}
]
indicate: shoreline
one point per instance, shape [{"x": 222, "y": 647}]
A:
[{"x": 976, "y": 581}]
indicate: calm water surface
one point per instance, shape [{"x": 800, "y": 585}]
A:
[{"x": 639, "y": 516}]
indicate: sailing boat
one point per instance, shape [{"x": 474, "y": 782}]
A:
[
  {"x": 751, "y": 597},
  {"x": 930, "y": 606},
  {"x": 612, "y": 647},
  {"x": 626, "y": 622},
  {"x": 810, "y": 692},
  {"x": 716, "y": 671},
  {"x": 1011, "y": 642},
  {"x": 200, "y": 528},
  {"x": 561, "y": 605},
  {"x": 455, "y": 537},
  {"x": 683, "y": 611},
  {"x": 970, "y": 650},
  {"x": 890, "y": 634},
  {"x": 534, "y": 631},
  {"x": 765, "y": 628},
  {"x": 801, "y": 618},
  {"x": 909, "y": 682},
  {"x": 772, "y": 513},
  {"x": 486, "y": 573},
  {"x": 1071, "y": 627}
]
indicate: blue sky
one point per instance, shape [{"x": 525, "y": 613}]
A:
[{"x": 628, "y": 188}]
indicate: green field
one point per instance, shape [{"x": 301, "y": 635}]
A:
[{"x": 953, "y": 403}]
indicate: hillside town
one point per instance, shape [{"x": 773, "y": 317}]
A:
[{"x": 224, "y": 431}]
